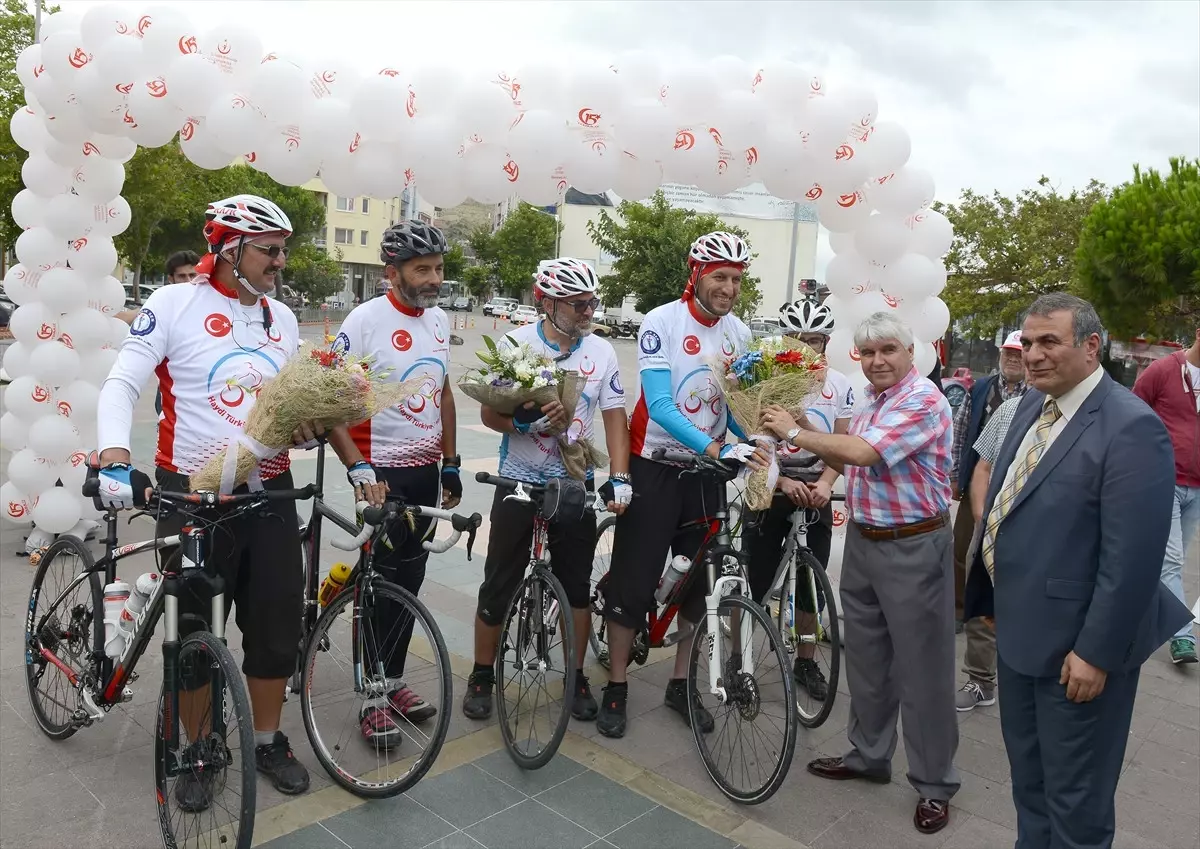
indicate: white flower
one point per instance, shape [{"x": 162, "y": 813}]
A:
[
  {"x": 523, "y": 371},
  {"x": 539, "y": 382}
]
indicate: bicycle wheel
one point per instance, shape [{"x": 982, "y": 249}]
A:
[
  {"x": 536, "y": 646},
  {"x": 755, "y": 724},
  {"x": 817, "y": 641},
  {"x": 214, "y": 758},
  {"x": 70, "y": 627},
  {"x": 362, "y": 670},
  {"x": 598, "y": 635}
]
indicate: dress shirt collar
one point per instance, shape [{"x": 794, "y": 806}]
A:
[
  {"x": 891, "y": 391},
  {"x": 1071, "y": 400}
]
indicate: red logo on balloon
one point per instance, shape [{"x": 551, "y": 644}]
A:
[
  {"x": 187, "y": 44},
  {"x": 124, "y": 88},
  {"x": 217, "y": 325},
  {"x": 79, "y": 244},
  {"x": 814, "y": 193},
  {"x": 389, "y": 72},
  {"x": 844, "y": 151},
  {"x": 40, "y": 394},
  {"x": 66, "y": 340},
  {"x": 16, "y": 509},
  {"x": 328, "y": 76},
  {"x": 251, "y": 157},
  {"x": 223, "y": 48},
  {"x": 89, "y": 149},
  {"x": 354, "y": 144},
  {"x": 144, "y": 23},
  {"x": 79, "y": 58},
  {"x": 847, "y": 201},
  {"x": 157, "y": 87},
  {"x": 889, "y": 300},
  {"x": 716, "y": 134},
  {"x": 757, "y": 79},
  {"x": 691, "y": 345},
  {"x": 751, "y": 156},
  {"x": 599, "y": 146},
  {"x": 513, "y": 170},
  {"x": 410, "y": 106},
  {"x": 291, "y": 142},
  {"x": 588, "y": 118},
  {"x": 187, "y": 130},
  {"x": 684, "y": 140},
  {"x": 722, "y": 166},
  {"x": 839, "y": 518},
  {"x": 64, "y": 408},
  {"x": 38, "y": 70},
  {"x": 46, "y": 331},
  {"x": 401, "y": 340}
]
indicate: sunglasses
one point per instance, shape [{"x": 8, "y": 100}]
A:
[
  {"x": 581, "y": 307},
  {"x": 273, "y": 251}
]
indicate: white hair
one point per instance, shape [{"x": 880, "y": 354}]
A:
[{"x": 880, "y": 327}]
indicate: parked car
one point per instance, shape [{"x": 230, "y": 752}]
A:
[
  {"x": 498, "y": 306},
  {"x": 144, "y": 290},
  {"x": 524, "y": 314},
  {"x": 463, "y": 304},
  {"x": 599, "y": 315},
  {"x": 764, "y": 327}
]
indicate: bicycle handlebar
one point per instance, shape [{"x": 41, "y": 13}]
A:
[
  {"x": 509, "y": 483},
  {"x": 697, "y": 462},
  {"x": 796, "y": 461},
  {"x": 373, "y": 517}
]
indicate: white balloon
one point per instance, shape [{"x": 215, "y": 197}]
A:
[
  {"x": 639, "y": 72},
  {"x": 537, "y": 133},
  {"x": 887, "y": 148},
  {"x": 78, "y": 401},
  {"x": 166, "y": 35},
  {"x": 842, "y": 213},
  {"x": 28, "y": 63},
  {"x": 871, "y": 302},
  {"x": 484, "y": 172},
  {"x": 335, "y": 76},
  {"x": 105, "y": 21},
  {"x": 119, "y": 62},
  {"x": 235, "y": 122},
  {"x": 689, "y": 91},
  {"x": 644, "y": 127},
  {"x": 99, "y": 180},
  {"x": 741, "y": 118},
  {"x": 14, "y": 432},
  {"x": 34, "y": 324},
  {"x": 281, "y": 87},
  {"x": 95, "y": 367},
  {"x": 195, "y": 81},
  {"x": 902, "y": 193},
  {"x": 64, "y": 55},
  {"x": 16, "y": 506},
  {"x": 107, "y": 296},
  {"x": 784, "y": 85},
  {"x": 29, "y": 209},
  {"x": 66, "y": 122},
  {"x": 434, "y": 87},
  {"x": 68, "y": 216},
  {"x": 27, "y": 130},
  {"x": 929, "y": 319},
  {"x": 44, "y": 177},
  {"x": 111, "y": 219},
  {"x": 54, "y": 364},
  {"x": 637, "y": 178},
  {"x": 543, "y": 86},
  {"x": 913, "y": 276},
  {"x": 116, "y": 148},
  {"x": 327, "y": 125},
  {"x": 882, "y": 238},
  {"x": 21, "y": 283},
  {"x": 932, "y": 233},
  {"x": 236, "y": 50},
  {"x": 841, "y": 243},
  {"x": 840, "y": 351},
  {"x": 62, "y": 290},
  {"x": 38, "y": 246},
  {"x": 54, "y": 438},
  {"x": 924, "y": 356},
  {"x": 485, "y": 114},
  {"x": 200, "y": 147},
  {"x": 591, "y": 162},
  {"x": 31, "y": 473},
  {"x": 593, "y": 92},
  {"x": 57, "y": 510},
  {"x": 93, "y": 257},
  {"x": 117, "y": 331},
  {"x": 84, "y": 329},
  {"x": 291, "y": 159},
  {"x": 847, "y": 274}
]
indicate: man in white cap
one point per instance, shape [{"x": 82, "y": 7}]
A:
[{"x": 972, "y": 415}]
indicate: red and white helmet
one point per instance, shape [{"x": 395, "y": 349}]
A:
[
  {"x": 243, "y": 215},
  {"x": 721, "y": 248},
  {"x": 563, "y": 277}
]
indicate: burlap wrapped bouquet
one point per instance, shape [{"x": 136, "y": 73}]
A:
[
  {"x": 781, "y": 371},
  {"x": 316, "y": 386}
]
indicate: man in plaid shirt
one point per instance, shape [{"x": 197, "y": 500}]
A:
[{"x": 897, "y": 582}]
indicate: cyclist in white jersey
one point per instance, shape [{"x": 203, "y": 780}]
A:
[
  {"x": 680, "y": 409},
  {"x": 566, "y": 289},
  {"x": 212, "y": 345},
  {"x": 766, "y": 532},
  {"x": 406, "y": 333}
]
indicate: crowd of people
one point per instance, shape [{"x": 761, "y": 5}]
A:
[{"x": 1075, "y": 497}]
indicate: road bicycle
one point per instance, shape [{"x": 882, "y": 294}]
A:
[
  {"x": 802, "y": 603},
  {"x": 65, "y": 642},
  {"x": 738, "y": 672},
  {"x": 537, "y": 641},
  {"x": 372, "y": 639}
]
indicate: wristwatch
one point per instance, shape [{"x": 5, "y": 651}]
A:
[
  {"x": 455, "y": 461},
  {"x": 792, "y": 434}
]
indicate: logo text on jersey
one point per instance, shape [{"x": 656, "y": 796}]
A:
[
  {"x": 615, "y": 384},
  {"x": 691, "y": 345},
  {"x": 650, "y": 343},
  {"x": 143, "y": 323}
]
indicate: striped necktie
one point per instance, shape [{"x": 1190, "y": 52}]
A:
[{"x": 1004, "y": 501}]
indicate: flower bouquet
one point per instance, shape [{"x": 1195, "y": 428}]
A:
[
  {"x": 319, "y": 386},
  {"x": 781, "y": 371}
]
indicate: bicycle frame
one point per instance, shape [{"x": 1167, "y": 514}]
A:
[{"x": 785, "y": 575}]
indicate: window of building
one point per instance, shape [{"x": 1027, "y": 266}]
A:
[
  {"x": 424, "y": 216},
  {"x": 343, "y": 236},
  {"x": 366, "y": 204},
  {"x": 345, "y": 204},
  {"x": 362, "y": 238}
]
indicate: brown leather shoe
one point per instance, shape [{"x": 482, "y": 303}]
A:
[
  {"x": 931, "y": 815},
  {"x": 836, "y": 770}
]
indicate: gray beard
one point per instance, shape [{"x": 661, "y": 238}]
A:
[{"x": 426, "y": 302}]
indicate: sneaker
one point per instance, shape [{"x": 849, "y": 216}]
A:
[
  {"x": 610, "y": 721},
  {"x": 1183, "y": 650},
  {"x": 971, "y": 696},
  {"x": 276, "y": 760},
  {"x": 411, "y": 706},
  {"x": 809, "y": 676},
  {"x": 583, "y": 706},
  {"x": 676, "y": 699},
  {"x": 194, "y": 790},
  {"x": 477, "y": 703},
  {"x": 378, "y": 727}
]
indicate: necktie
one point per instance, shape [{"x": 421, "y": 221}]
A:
[{"x": 1008, "y": 495}]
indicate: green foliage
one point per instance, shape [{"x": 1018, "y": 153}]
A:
[
  {"x": 479, "y": 281},
  {"x": 313, "y": 272},
  {"x": 1138, "y": 259},
  {"x": 455, "y": 263},
  {"x": 651, "y": 247},
  {"x": 1008, "y": 251},
  {"x": 511, "y": 254}
]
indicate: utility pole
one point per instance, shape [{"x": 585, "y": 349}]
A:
[
  {"x": 791, "y": 284},
  {"x": 37, "y": 21}
]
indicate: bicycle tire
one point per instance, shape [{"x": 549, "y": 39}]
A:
[
  {"x": 539, "y": 574},
  {"x": 239, "y": 705},
  {"x": 94, "y": 640},
  {"x": 596, "y": 638},
  {"x": 833, "y": 633},
  {"x": 421, "y": 614},
  {"x": 763, "y": 623}
]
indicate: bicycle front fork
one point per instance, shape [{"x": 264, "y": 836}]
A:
[{"x": 721, "y": 587}]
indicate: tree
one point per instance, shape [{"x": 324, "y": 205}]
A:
[
  {"x": 455, "y": 263},
  {"x": 314, "y": 273},
  {"x": 651, "y": 248},
  {"x": 479, "y": 281},
  {"x": 512, "y": 253},
  {"x": 1007, "y": 251},
  {"x": 1138, "y": 259}
]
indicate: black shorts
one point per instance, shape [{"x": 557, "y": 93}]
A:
[
  {"x": 647, "y": 531},
  {"x": 572, "y": 547},
  {"x": 259, "y": 559},
  {"x": 763, "y": 535}
]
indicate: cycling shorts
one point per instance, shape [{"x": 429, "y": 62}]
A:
[{"x": 763, "y": 536}]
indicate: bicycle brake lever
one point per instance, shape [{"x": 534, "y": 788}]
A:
[
  {"x": 135, "y": 515},
  {"x": 470, "y": 541}
]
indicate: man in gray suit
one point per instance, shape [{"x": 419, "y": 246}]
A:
[{"x": 1076, "y": 522}]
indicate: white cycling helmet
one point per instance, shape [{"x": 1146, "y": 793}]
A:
[
  {"x": 719, "y": 247},
  {"x": 807, "y": 317},
  {"x": 245, "y": 215},
  {"x": 563, "y": 277}
]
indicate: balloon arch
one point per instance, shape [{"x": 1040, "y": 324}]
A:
[{"x": 99, "y": 85}]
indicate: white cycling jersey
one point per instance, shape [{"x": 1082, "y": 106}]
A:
[
  {"x": 835, "y": 401},
  {"x": 412, "y": 343},
  {"x": 677, "y": 337},
  {"x": 211, "y": 354},
  {"x": 536, "y": 459}
]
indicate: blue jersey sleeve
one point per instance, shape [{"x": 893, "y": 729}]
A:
[
  {"x": 737, "y": 431},
  {"x": 656, "y": 383}
]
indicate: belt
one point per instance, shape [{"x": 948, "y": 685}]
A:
[{"x": 913, "y": 529}]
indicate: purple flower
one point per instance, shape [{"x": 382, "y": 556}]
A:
[
  {"x": 546, "y": 374},
  {"x": 502, "y": 381}
]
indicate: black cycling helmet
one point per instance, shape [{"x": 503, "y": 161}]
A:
[{"x": 408, "y": 239}]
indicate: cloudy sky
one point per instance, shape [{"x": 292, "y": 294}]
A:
[{"x": 994, "y": 94}]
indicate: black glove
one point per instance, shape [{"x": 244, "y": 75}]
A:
[
  {"x": 452, "y": 481},
  {"x": 527, "y": 414}
]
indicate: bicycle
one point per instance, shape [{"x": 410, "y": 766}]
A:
[
  {"x": 732, "y": 682},
  {"x": 361, "y": 640},
  {"x": 72, "y": 630},
  {"x": 817, "y": 602},
  {"x": 538, "y": 612}
]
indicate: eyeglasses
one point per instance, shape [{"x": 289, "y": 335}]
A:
[
  {"x": 273, "y": 251},
  {"x": 581, "y": 307},
  {"x": 814, "y": 341}
]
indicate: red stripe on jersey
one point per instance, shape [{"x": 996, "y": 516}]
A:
[
  {"x": 165, "y": 457},
  {"x": 361, "y": 434},
  {"x": 637, "y": 426}
]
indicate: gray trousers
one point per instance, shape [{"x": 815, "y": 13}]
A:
[
  {"x": 898, "y": 607},
  {"x": 979, "y": 662}
]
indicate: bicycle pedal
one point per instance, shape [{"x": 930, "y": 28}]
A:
[
  {"x": 126, "y": 695},
  {"x": 678, "y": 636}
]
